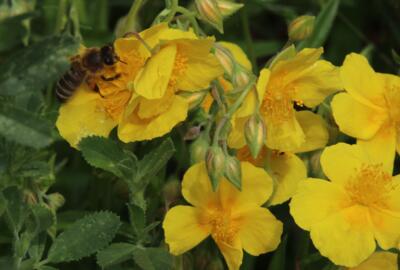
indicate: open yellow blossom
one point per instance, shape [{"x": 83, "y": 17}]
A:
[
  {"x": 302, "y": 79},
  {"x": 358, "y": 206},
  {"x": 233, "y": 218},
  {"x": 285, "y": 169},
  {"x": 369, "y": 110},
  {"x": 379, "y": 261}
]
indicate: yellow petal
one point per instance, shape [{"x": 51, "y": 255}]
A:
[
  {"x": 175, "y": 34},
  {"x": 361, "y": 81},
  {"x": 356, "y": 119},
  {"x": 152, "y": 81},
  {"x": 379, "y": 261},
  {"x": 256, "y": 188},
  {"x": 183, "y": 230},
  {"x": 201, "y": 66},
  {"x": 83, "y": 115},
  {"x": 346, "y": 237},
  {"x": 236, "y": 136},
  {"x": 238, "y": 54},
  {"x": 287, "y": 170},
  {"x": 321, "y": 80},
  {"x": 382, "y": 147},
  {"x": 315, "y": 200},
  {"x": 149, "y": 108},
  {"x": 196, "y": 186},
  {"x": 132, "y": 128},
  {"x": 262, "y": 83},
  {"x": 286, "y": 136},
  {"x": 386, "y": 227},
  {"x": 340, "y": 161},
  {"x": 260, "y": 231},
  {"x": 315, "y": 131},
  {"x": 233, "y": 254}
]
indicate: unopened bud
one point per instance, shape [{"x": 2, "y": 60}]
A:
[
  {"x": 254, "y": 133},
  {"x": 193, "y": 98},
  {"x": 233, "y": 171},
  {"x": 227, "y": 8},
  {"x": 301, "y": 28},
  {"x": 215, "y": 164},
  {"x": 210, "y": 13},
  {"x": 55, "y": 200},
  {"x": 225, "y": 58},
  {"x": 241, "y": 77},
  {"x": 198, "y": 149},
  {"x": 172, "y": 190}
]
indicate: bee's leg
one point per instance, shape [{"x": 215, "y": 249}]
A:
[
  {"x": 91, "y": 82},
  {"x": 110, "y": 78}
]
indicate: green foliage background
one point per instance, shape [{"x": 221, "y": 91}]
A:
[{"x": 102, "y": 206}]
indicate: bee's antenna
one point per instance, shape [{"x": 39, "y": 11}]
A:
[{"x": 119, "y": 59}]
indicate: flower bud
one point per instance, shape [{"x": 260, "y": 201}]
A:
[
  {"x": 241, "y": 77},
  {"x": 233, "y": 171},
  {"x": 254, "y": 133},
  {"x": 301, "y": 28},
  {"x": 225, "y": 58},
  {"x": 215, "y": 164},
  {"x": 55, "y": 200},
  {"x": 227, "y": 8},
  {"x": 193, "y": 98},
  {"x": 198, "y": 149},
  {"x": 210, "y": 13},
  {"x": 172, "y": 190}
]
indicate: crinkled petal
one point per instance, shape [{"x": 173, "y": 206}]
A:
[
  {"x": 382, "y": 147},
  {"x": 340, "y": 161},
  {"x": 152, "y": 81},
  {"x": 256, "y": 188},
  {"x": 237, "y": 53},
  {"x": 196, "y": 186},
  {"x": 361, "y": 81},
  {"x": 201, "y": 67},
  {"x": 346, "y": 237},
  {"x": 132, "y": 128},
  {"x": 183, "y": 230},
  {"x": 315, "y": 130},
  {"x": 260, "y": 231},
  {"x": 379, "y": 261},
  {"x": 287, "y": 170},
  {"x": 356, "y": 119},
  {"x": 233, "y": 254},
  {"x": 83, "y": 115},
  {"x": 315, "y": 200},
  {"x": 321, "y": 80}
]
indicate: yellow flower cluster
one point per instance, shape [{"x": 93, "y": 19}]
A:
[{"x": 348, "y": 216}]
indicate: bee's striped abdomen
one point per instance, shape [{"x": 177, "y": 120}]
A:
[{"x": 71, "y": 80}]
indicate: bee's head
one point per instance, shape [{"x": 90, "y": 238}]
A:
[{"x": 108, "y": 55}]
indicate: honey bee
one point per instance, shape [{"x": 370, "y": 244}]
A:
[{"x": 86, "y": 68}]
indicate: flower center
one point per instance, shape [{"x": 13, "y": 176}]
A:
[
  {"x": 370, "y": 186},
  {"x": 179, "y": 68},
  {"x": 277, "y": 105},
  {"x": 115, "y": 104},
  {"x": 223, "y": 227}
]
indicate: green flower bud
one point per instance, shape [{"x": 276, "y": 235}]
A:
[
  {"x": 233, "y": 171},
  {"x": 241, "y": 77},
  {"x": 194, "y": 98},
  {"x": 172, "y": 190},
  {"x": 210, "y": 13},
  {"x": 225, "y": 58},
  {"x": 55, "y": 201},
  {"x": 254, "y": 133},
  {"x": 301, "y": 28},
  {"x": 227, "y": 8},
  {"x": 198, "y": 149},
  {"x": 215, "y": 164}
]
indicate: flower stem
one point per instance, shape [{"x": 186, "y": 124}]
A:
[
  {"x": 247, "y": 36},
  {"x": 132, "y": 15}
]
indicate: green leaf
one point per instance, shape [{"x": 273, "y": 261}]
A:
[
  {"x": 105, "y": 154},
  {"x": 34, "y": 67},
  {"x": 323, "y": 25},
  {"x": 84, "y": 237},
  {"x": 16, "y": 210},
  {"x": 155, "y": 160},
  {"x": 152, "y": 258},
  {"x": 114, "y": 254},
  {"x": 278, "y": 260},
  {"x": 23, "y": 127},
  {"x": 14, "y": 29}
]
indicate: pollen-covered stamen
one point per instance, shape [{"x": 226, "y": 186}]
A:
[
  {"x": 370, "y": 186},
  {"x": 277, "y": 106},
  {"x": 115, "y": 104},
  {"x": 223, "y": 227},
  {"x": 179, "y": 68}
]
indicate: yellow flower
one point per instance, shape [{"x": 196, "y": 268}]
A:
[
  {"x": 379, "y": 261},
  {"x": 233, "y": 218},
  {"x": 182, "y": 62},
  {"x": 370, "y": 108},
  {"x": 285, "y": 169},
  {"x": 358, "y": 206},
  {"x": 299, "y": 79}
]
